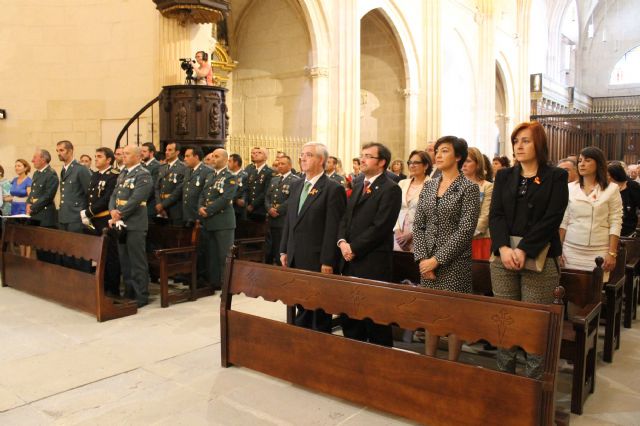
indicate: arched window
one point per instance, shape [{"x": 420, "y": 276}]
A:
[{"x": 627, "y": 70}]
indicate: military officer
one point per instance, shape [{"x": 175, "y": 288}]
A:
[
  {"x": 330, "y": 169},
  {"x": 217, "y": 215},
  {"x": 96, "y": 216},
  {"x": 128, "y": 208},
  {"x": 74, "y": 182},
  {"x": 239, "y": 201},
  {"x": 258, "y": 179},
  {"x": 276, "y": 205},
  {"x": 195, "y": 175},
  {"x": 149, "y": 161},
  {"x": 118, "y": 165},
  {"x": 168, "y": 188},
  {"x": 40, "y": 205}
]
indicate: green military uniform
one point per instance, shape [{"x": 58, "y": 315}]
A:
[
  {"x": 257, "y": 184},
  {"x": 193, "y": 183},
  {"x": 74, "y": 182},
  {"x": 99, "y": 193},
  {"x": 276, "y": 197},
  {"x": 338, "y": 178},
  {"x": 153, "y": 166},
  {"x": 130, "y": 199},
  {"x": 168, "y": 190},
  {"x": 241, "y": 194},
  {"x": 43, "y": 191},
  {"x": 220, "y": 222}
]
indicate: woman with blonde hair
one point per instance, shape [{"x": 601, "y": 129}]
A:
[{"x": 474, "y": 170}]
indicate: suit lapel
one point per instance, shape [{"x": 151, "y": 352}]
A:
[
  {"x": 543, "y": 173},
  {"x": 68, "y": 172},
  {"x": 313, "y": 195},
  {"x": 373, "y": 189}
]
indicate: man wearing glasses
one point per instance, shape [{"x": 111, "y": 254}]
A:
[{"x": 365, "y": 237}]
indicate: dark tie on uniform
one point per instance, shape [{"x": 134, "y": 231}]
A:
[
  {"x": 305, "y": 193},
  {"x": 62, "y": 173}
]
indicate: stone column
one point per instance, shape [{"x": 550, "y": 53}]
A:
[
  {"x": 174, "y": 43},
  {"x": 433, "y": 65},
  {"x": 486, "y": 78},
  {"x": 320, "y": 115}
]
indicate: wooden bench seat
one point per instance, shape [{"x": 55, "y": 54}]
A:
[
  {"x": 76, "y": 289},
  {"x": 427, "y": 389},
  {"x": 175, "y": 253}
]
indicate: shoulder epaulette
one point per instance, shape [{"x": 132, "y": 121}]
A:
[{"x": 115, "y": 171}]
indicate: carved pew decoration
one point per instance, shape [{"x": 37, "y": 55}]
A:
[{"x": 423, "y": 388}]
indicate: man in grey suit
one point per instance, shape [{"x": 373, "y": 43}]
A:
[
  {"x": 74, "y": 182},
  {"x": 275, "y": 201},
  {"x": 149, "y": 161},
  {"x": 168, "y": 188},
  {"x": 128, "y": 208},
  {"x": 217, "y": 215},
  {"x": 40, "y": 204}
]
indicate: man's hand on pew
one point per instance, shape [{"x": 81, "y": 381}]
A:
[{"x": 326, "y": 269}]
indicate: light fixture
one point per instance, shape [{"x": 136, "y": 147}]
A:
[{"x": 3, "y": 114}]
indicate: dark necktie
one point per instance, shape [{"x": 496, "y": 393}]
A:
[{"x": 366, "y": 186}]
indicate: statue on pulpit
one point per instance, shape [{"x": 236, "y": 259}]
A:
[
  {"x": 181, "y": 120},
  {"x": 204, "y": 74}
]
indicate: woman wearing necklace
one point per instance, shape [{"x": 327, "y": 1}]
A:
[
  {"x": 419, "y": 165},
  {"x": 443, "y": 227},
  {"x": 593, "y": 220},
  {"x": 527, "y": 207}
]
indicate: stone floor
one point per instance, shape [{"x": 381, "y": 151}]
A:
[{"x": 162, "y": 366}]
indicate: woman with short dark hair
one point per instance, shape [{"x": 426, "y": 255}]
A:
[{"x": 528, "y": 203}]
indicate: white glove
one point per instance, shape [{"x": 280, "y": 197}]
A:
[
  {"x": 85, "y": 220},
  {"x": 120, "y": 224}
]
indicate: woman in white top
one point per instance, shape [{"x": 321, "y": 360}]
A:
[
  {"x": 419, "y": 168},
  {"x": 474, "y": 170},
  {"x": 593, "y": 219},
  {"x": 204, "y": 74}
]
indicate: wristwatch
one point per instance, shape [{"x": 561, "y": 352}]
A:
[{"x": 613, "y": 254}]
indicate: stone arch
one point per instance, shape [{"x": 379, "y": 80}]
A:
[
  {"x": 409, "y": 52},
  {"x": 505, "y": 72},
  {"x": 271, "y": 91},
  {"x": 382, "y": 81}
]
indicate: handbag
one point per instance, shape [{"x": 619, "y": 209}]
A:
[{"x": 530, "y": 264}]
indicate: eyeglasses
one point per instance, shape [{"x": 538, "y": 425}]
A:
[
  {"x": 414, "y": 163},
  {"x": 306, "y": 154},
  {"x": 369, "y": 157}
]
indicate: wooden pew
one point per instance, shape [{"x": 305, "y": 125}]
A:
[
  {"x": 580, "y": 331},
  {"x": 632, "y": 280},
  {"x": 250, "y": 240},
  {"x": 422, "y": 388},
  {"x": 612, "y": 296},
  {"x": 76, "y": 289},
  {"x": 175, "y": 252}
]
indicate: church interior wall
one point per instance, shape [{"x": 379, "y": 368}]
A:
[{"x": 69, "y": 65}]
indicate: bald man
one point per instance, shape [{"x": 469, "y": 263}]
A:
[
  {"x": 217, "y": 216},
  {"x": 128, "y": 208}
]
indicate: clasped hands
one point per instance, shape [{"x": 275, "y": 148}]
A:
[
  {"x": 512, "y": 259},
  {"x": 427, "y": 268},
  {"x": 347, "y": 253}
]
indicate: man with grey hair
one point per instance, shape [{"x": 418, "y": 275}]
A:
[
  {"x": 314, "y": 210},
  {"x": 40, "y": 204},
  {"x": 258, "y": 179},
  {"x": 128, "y": 208},
  {"x": 570, "y": 166}
]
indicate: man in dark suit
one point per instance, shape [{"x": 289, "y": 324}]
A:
[
  {"x": 168, "y": 187},
  {"x": 96, "y": 216},
  {"x": 40, "y": 204},
  {"x": 276, "y": 205},
  {"x": 314, "y": 210},
  {"x": 365, "y": 236},
  {"x": 128, "y": 208}
]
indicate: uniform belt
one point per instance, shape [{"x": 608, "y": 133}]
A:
[
  {"x": 20, "y": 199},
  {"x": 164, "y": 196},
  {"x": 34, "y": 200},
  {"x": 102, "y": 214},
  {"x": 123, "y": 202}
]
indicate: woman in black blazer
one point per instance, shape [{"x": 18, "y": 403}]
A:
[{"x": 529, "y": 200}]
